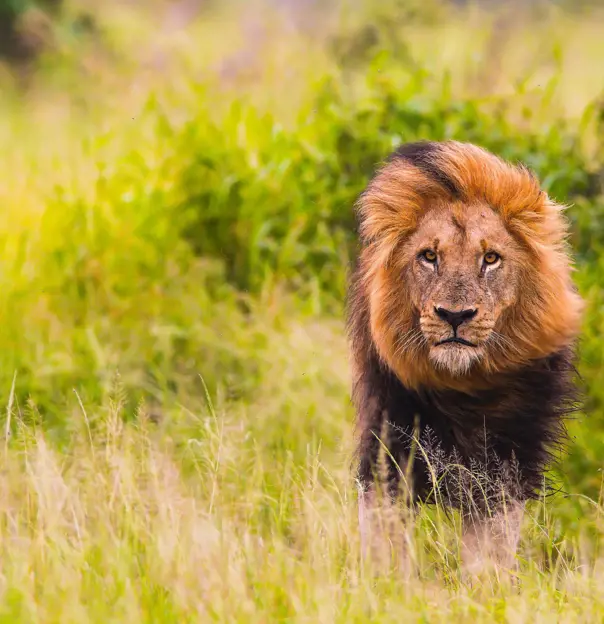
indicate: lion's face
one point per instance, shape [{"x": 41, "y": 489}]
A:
[{"x": 462, "y": 273}]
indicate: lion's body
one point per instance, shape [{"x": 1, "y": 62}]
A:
[
  {"x": 473, "y": 446},
  {"x": 462, "y": 322}
]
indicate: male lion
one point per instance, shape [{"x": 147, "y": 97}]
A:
[{"x": 462, "y": 324}]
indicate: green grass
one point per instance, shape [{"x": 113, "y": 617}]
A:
[{"x": 175, "y": 240}]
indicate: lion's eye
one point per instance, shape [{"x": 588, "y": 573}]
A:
[
  {"x": 429, "y": 256},
  {"x": 491, "y": 257}
]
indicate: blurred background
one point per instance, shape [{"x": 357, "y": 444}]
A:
[{"x": 177, "y": 181}]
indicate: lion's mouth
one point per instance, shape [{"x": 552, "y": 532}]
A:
[{"x": 456, "y": 340}]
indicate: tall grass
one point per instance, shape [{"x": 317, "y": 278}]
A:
[
  {"x": 195, "y": 519},
  {"x": 177, "y": 196}
]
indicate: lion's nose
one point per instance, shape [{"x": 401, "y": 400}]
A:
[{"x": 455, "y": 319}]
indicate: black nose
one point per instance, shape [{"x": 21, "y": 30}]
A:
[{"x": 455, "y": 319}]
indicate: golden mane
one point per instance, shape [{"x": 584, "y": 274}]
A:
[{"x": 546, "y": 316}]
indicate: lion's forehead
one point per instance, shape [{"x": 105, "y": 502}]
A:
[{"x": 460, "y": 232}]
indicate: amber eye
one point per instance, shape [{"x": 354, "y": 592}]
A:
[
  {"x": 429, "y": 256},
  {"x": 491, "y": 257}
]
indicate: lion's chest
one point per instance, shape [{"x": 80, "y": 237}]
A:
[{"x": 467, "y": 446}]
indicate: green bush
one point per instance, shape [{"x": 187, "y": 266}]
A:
[{"x": 276, "y": 204}]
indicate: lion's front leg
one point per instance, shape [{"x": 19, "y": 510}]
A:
[{"x": 491, "y": 543}]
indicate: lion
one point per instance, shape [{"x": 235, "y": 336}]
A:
[{"x": 462, "y": 322}]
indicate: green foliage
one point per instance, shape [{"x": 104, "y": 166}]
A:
[{"x": 275, "y": 203}]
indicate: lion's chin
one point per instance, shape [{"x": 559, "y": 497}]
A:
[{"x": 454, "y": 358}]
